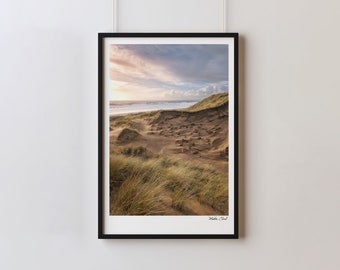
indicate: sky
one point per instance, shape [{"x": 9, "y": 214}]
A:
[{"x": 167, "y": 72}]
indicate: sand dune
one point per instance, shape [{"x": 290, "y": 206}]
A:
[{"x": 198, "y": 134}]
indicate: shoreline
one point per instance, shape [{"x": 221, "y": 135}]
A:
[{"x": 127, "y": 107}]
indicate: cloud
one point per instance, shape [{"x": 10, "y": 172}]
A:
[
  {"x": 187, "y": 61},
  {"x": 186, "y": 71},
  {"x": 197, "y": 94},
  {"x": 127, "y": 66}
]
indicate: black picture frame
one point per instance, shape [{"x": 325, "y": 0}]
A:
[{"x": 103, "y": 75}]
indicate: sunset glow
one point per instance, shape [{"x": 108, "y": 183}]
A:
[{"x": 167, "y": 72}]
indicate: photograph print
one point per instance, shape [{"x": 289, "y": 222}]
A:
[{"x": 167, "y": 136}]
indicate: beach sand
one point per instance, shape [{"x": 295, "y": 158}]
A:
[{"x": 198, "y": 136}]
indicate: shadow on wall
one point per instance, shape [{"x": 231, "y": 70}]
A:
[{"x": 242, "y": 137}]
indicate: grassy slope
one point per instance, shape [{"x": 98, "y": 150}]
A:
[
  {"x": 155, "y": 185},
  {"x": 209, "y": 102}
]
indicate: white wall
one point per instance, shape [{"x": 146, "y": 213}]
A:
[{"x": 290, "y": 142}]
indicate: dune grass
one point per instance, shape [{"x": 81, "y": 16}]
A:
[
  {"x": 209, "y": 102},
  {"x": 142, "y": 184}
]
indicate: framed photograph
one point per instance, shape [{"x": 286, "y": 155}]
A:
[{"x": 168, "y": 135}]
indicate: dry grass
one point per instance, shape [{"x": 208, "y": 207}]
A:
[
  {"x": 144, "y": 184},
  {"x": 209, "y": 102}
]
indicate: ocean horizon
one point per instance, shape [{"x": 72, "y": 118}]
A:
[{"x": 120, "y": 107}]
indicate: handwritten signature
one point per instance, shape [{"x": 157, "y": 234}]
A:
[{"x": 218, "y": 218}]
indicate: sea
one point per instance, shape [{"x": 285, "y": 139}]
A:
[{"x": 127, "y": 106}]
